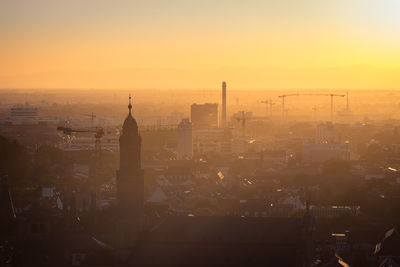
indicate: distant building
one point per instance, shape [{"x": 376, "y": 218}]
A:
[
  {"x": 226, "y": 241},
  {"x": 335, "y": 210},
  {"x": 178, "y": 173},
  {"x": 213, "y": 140},
  {"x": 240, "y": 121},
  {"x": 326, "y": 134},
  {"x": 238, "y": 146},
  {"x": 318, "y": 153},
  {"x": 374, "y": 176},
  {"x": 21, "y": 115},
  {"x": 274, "y": 156},
  {"x": 204, "y": 115},
  {"x": 30, "y": 133},
  {"x": 185, "y": 140},
  {"x": 108, "y": 142},
  {"x": 253, "y": 208},
  {"x": 339, "y": 241}
]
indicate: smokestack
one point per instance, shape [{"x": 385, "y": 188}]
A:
[{"x": 223, "y": 124}]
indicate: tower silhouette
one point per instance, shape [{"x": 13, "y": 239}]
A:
[{"x": 130, "y": 187}]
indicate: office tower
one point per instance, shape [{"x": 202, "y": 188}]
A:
[
  {"x": 185, "y": 139},
  {"x": 204, "y": 115}
]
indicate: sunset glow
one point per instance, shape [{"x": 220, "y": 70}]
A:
[{"x": 191, "y": 44}]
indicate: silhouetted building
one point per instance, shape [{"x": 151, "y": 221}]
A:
[
  {"x": 130, "y": 188},
  {"x": 318, "y": 153},
  {"x": 388, "y": 250},
  {"x": 212, "y": 140},
  {"x": 225, "y": 241},
  {"x": 326, "y": 134},
  {"x": 185, "y": 140},
  {"x": 24, "y": 115},
  {"x": 204, "y": 115}
]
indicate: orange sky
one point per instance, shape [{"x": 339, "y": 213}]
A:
[{"x": 197, "y": 44}]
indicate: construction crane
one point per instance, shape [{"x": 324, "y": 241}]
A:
[
  {"x": 315, "y": 109},
  {"x": 268, "y": 103},
  {"x": 243, "y": 120},
  {"x": 98, "y": 134},
  {"x": 330, "y": 95},
  {"x": 283, "y": 102},
  {"x": 92, "y": 116}
]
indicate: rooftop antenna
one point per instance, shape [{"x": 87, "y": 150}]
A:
[{"x": 130, "y": 104}]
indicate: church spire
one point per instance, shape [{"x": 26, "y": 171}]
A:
[
  {"x": 130, "y": 124},
  {"x": 130, "y": 104},
  {"x": 130, "y": 187},
  {"x": 130, "y": 144}
]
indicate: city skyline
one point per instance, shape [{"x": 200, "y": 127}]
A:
[{"x": 200, "y": 133}]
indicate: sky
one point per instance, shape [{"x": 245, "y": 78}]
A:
[{"x": 293, "y": 44}]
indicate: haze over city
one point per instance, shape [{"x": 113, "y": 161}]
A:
[
  {"x": 200, "y": 133},
  {"x": 192, "y": 44}
]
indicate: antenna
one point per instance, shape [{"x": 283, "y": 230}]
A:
[{"x": 130, "y": 104}]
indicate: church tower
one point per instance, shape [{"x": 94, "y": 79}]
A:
[{"x": 130, "y": 187}]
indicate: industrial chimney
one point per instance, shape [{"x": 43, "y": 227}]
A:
[{"x": 223, "y": 124}]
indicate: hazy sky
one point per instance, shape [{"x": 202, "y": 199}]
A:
[{"x": 199, "y": 43}]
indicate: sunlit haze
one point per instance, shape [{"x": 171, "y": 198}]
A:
[{"x": 194, "y": 44}]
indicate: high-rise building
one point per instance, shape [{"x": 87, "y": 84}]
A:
[
  {"x": 223, "y": 121},
  {"x": 130, "y": 187},
  {"x": 185, "y": 139},
  {"x": 204, "y": 115}
]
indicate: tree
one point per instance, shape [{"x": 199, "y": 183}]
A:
[
  {"x": 15, "y": 161},
  {"x": 48, "y": 163}
]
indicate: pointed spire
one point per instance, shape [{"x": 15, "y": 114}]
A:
[
  {"x": 130, "y": 104},
  {"x": 130, "y": 124}
]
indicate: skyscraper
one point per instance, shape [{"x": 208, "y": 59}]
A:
[
  {"x": 223, "y": 121},
  {"x": 204, "y": 116},
  {"x": 185, "y": 139},
  {"x": 130, "y": 187}
]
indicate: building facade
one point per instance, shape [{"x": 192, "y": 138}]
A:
[
  {"x": 204, "y": 115},
  {"x": 185, "y": 139}
]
